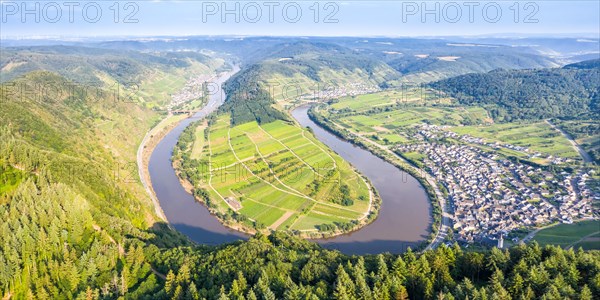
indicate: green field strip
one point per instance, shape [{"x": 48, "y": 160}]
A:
[
  {"x": 199, "y": 142},
  {"x": 334, "y": 211},
  {"x": 311, "y": 220}
]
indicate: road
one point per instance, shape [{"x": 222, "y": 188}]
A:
[
  {"x": 586, "y": 157},
  {"x": 446, "y": 216},
  {"x": 582, "y": 239},
  {"x": 142, "y": 171}
]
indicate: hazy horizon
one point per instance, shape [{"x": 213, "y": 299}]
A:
[{"x": 32, "y": 19}]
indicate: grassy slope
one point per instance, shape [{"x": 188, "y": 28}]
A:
[
  {"x": 76, "y": 154},
  {"x": 571, "y": 235}
]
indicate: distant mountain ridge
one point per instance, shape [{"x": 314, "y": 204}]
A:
[{"x": 90, "y": 65}]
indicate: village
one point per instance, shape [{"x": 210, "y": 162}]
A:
[
  {"x": 491, "y": 195},
  {"x": 193, "y": 89},
  {"x": 327, "y": 92}
]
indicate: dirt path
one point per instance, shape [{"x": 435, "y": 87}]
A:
[
  {"x": 158, "y": 274},
  {"x": 532, "y": 234},
  {"x": 289, "y": 149},
  {"x": 262, "y": 157},
  {"x": 582, "y": 239},
  {"x": 280, "y": 221},
  {"x": 110, "y": 238}
]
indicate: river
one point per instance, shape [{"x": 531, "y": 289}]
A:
[
  {"x": 403, "y": 221},
  {"x": 405, "y": 215},
  {"x": 180, "y": 208}
]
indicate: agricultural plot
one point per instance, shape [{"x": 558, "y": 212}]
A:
[
  {"x": 402, "y": 95},
  {"x": 538, "y": 137},
  {"x": 584, "y": 234},
  {"x": 281, "y": 176},
  {"x": 199, "y": 142},
  {"x": 386, "y": 125}
]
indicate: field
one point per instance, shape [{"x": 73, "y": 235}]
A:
[
  {"x": 383, "y": 117},
  {"x": 539, "y": 137},
  {"x": 362, "y": 103},
  {"x": 407, "y": 117},
  {"x": 156, "y": 88},
  {"x": 584, "y": 234},
  {"x": 278, "y": 175},
  {"x": 585, "y": 133},
  {"x": 199, "y": 141}
]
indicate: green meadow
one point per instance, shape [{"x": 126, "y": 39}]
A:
[
  {"x": 539, "y": 137},
  {"x": 585, "y": 234},
  {"x": 408, "y": 95},
  {"x": 390, "y": 117}
]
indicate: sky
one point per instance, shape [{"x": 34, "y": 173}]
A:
[{"x": 104, "y": 18}]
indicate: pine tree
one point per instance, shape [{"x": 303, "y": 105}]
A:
[
  {"x": 193, "y": 292},
  {"x": 551, "y": 293},
  {"x": 343, "y": 288},
  {"x": 382, "y": 268},
  {"x": 223, "y": 294},
  {"x": 399, "y": 269},
  {"x": 497, "y": 286},
  {"x": 497, "y": 260},
  {"x": 251, "y": 295},
  {"x": 170, "y": 283},
  {"x": 362, "y": 288},
  {"x": 585, "y": 294},
  {"x": 528, "y": 293},
  {"x": 516, "y": 285}
]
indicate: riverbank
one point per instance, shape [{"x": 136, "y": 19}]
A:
[
  {"x": 441, "y": 218},
  {"x": 151, "y": 139},
  {"x": 229, "y": 217}
]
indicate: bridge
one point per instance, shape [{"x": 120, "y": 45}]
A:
[{"x": 181, "y": 112}]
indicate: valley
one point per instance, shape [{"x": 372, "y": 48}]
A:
[{"x": 298, "y": 168}]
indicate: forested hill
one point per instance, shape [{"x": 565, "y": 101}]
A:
[
  {"x": 315, "y": 59},
  {"x": 248, "y": 101},
  {"x": 569, "y": 92},
  {"x": 72, "y": 215},
  {"x": 75, "y": 225},
  {"x": 90, "y": 65},
  {"x": 593, "y": 64}
]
